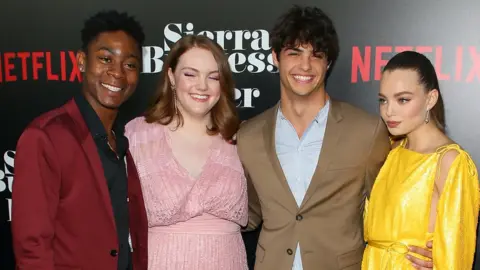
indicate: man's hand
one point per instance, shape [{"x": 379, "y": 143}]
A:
[{"x": 419, "y": 263}]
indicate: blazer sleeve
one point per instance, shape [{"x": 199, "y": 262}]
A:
[
  {"x": 380, "y": 147},
  {"x": 254, "y": 207},
  {"x": 35, "y": 197},
  {"x": 454, "y": 237}
]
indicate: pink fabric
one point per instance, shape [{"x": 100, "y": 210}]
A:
[{"x": 194, "y": 224}]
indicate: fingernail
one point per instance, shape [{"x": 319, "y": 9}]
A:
[{"x": 408, "y": 256}]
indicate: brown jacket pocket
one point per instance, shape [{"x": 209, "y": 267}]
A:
[{"x": 350, "y": 258}]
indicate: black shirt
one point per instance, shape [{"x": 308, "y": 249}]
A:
[{"x": 116, "y": 175}]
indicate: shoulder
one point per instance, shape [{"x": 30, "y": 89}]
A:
[
  {"x": 227, "y": 155},
  {"x": 54, "y": 130},
  {"x": 135, "y": 124},
  {"x": 364, "y": 124},
  {"x": 138, "y": 131},
  {"x": 454, "y": 159},
  {"x": 256, "y": 123},
  {"x": 357, "y": 114},
  {"x": 453, "y": 155},
  {"x": 54, "y": 123}
]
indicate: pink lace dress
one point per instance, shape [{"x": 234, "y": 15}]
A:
[{"x": 194, "y": 224}]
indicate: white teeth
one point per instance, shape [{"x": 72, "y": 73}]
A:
[
  {"x": 112, "y": 88},
  {"x": 199, "y": 96},
  {"x": 303, "y": 78}
]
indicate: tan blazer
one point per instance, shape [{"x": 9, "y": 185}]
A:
[{"x": 329, "y": 223}]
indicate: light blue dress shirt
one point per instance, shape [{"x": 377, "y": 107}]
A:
[{"x": 299, "y": 157}]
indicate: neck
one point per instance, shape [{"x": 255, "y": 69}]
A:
[
  {"x": 194, "y": 126},
  {"x": 302, "y": 110},
  {"x": 425, "y": 138},
  {"x": 107, "y": 116}
]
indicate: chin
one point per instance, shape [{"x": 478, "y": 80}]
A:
[
  {"x": 302, "y": 93},
  {"x": 197, "y": 113},
  {"x": 111, "y": 105},
  {"x": 396, "y": 132}
]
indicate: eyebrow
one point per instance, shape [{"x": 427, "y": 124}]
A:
[
  {"x": 103, "y": 48},
  {"x": 402, "y": 93},
  {"x": 196, "y": 70},
  {"x": 296, "y": 49},
  {"x": 397, "y": 94}
]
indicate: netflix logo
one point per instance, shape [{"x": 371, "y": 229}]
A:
[
  {"x": 459, "y": 64},
  {"x": 49, "y": 66}
]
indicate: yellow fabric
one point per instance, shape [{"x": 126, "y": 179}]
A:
[{"x": 397, "y": 214}]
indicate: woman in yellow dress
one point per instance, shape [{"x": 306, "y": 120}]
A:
[{"x": 428, "y": 188}]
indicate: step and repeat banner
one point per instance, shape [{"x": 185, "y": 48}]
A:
[{"x": 39, "y": 39}]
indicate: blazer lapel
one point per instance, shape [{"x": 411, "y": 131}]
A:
[
  {"x": 269, "y": 140},
  {"x": 91, "y": 152},
  {"x": 329, "y": 146}
]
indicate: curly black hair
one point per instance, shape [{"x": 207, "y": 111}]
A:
[
  {"x": 306, "y": 25},
  {"x": 111, "y": 20}
]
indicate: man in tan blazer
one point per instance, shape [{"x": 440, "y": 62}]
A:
[{"x": 310, "y": 160}]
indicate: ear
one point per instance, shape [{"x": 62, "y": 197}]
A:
[
  {"x": 432, "y": 98},
  {"x": 171, "y": 77},
  {"x": 81, "y": 60},
  {"x": 275, "y": 58}
]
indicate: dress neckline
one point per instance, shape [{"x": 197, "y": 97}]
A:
[
  {"x": 179, "y": 166},
  {"x": 441, "y": 149}
]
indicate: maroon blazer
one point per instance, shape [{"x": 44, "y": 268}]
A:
[{"x": 62, "y": 217}]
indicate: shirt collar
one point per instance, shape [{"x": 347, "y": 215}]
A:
[
  {"x": 319, "y": 118},
  {"x": 97, "y": 130},
  {"x": 93, "y": 121}
]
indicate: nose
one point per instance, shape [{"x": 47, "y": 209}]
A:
[
  {"x": 116, "y": 70},
  {"x": 202, "y": 84},
  {"x": 305, "y": 63},
  {"x": 389, "y": 109}
]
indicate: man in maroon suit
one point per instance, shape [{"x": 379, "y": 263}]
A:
[{"x": 77, "y": 199}]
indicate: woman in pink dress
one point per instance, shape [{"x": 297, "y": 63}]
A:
[{"x": 192, "y": 179}]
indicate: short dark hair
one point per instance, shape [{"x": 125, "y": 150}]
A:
[
  {"x": 110, "y": 21},
  {"x": 410, "y": 60},
  {"x": 306, "y": 25}
]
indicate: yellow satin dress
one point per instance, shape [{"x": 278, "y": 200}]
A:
[{"x": 398, "y": 212}]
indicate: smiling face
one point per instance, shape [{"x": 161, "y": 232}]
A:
[
  {"x": 404, "y": 101},
  {"x": 302, "y": 71},
  {"x": 197, "y": 82},
  {"x": 111, "y": 68}
]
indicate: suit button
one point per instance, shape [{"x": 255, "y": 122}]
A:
[
  {"x": 299, "y": 217},
  {"x": 113, "y": 253},
  {"x": 289, "y": 251}
]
